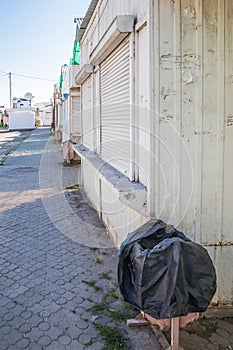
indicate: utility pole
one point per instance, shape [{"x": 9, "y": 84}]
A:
[{"x": 10, "y": 89}]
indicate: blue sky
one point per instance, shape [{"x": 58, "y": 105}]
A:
[{"x": 36, "y": 39}]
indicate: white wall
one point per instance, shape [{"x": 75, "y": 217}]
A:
[
  {"x": 193, "y": 88},
  {"x": 117, "y": 216}
]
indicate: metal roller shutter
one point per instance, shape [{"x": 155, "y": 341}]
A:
[
  {"x": 115, "y": 109},
  {"x": 75, "y": 120},
  {"x": 87, "y": 115},
  {"x": 96, "y": 111},
  {"x": 66, "y": 128}
]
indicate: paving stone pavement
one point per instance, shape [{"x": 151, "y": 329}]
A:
[
  {"x": 57, "y": 265},
  {"x": 213, "y": 331},
  {"x": 57, "y": 281},
  {"x": 10, "y": 140}
]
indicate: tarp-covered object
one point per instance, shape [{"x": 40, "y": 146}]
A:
[{"x": 163, "y": 273}]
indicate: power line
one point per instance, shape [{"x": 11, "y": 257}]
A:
[
  {"x": 6, "y": 73},
  {"x": 3, "y": 77},
  {"x": 28, "y": 76}
]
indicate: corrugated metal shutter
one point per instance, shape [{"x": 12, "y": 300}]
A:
[
  {"x": 66, "y": 131},
  {"x": 87, "y": 115},
  {"x": 75, "y": 120},
  {"x": 115, "y": 109},
  {"x": 96, "y": 110}
]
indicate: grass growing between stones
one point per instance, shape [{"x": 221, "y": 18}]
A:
[
  {"x": 98, "y": 260},
  {"x": 114, "y": 309},
  {"x": 113, "y": 338},
  {"x": 120, "y": 312},
  {"x": 104, "y": 276},
  {"x": 120, "y": 315},
  {"x": 72, "y": 187},
  {"x": 93, "y": 285},
  {"x": 113, "y": 294},
  {"x": 98, "y": 308},
  {"x": 93, "y": 249}
]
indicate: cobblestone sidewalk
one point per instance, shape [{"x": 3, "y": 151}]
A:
[
  {"x": 10, "y": 140},
  {"x": 56, "y": 292},
  {"x": 57, "y": 265}
]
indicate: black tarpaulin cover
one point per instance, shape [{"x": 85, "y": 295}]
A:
[{"x": 163, "y": 273}]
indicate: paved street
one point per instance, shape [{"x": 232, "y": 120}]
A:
[
  {"x": 57, "y": 278},
  {"x": 57, "y": 264},
  {"x": 10, "y": 140}
]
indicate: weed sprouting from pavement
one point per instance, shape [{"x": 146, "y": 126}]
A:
[
  {"x": 112, "y": 306},
  {"x": 93, "y": 285},
  {"x": 98, "y": 260},
  {"x": 98, "y": 307},
  {"x": 113, "y": 338},
  {"x": 93, "y": 249},
  {"x": 112, "y": 294},
  {"x": 72, "y": 187},
  {"x": 123, "y": 312},
  {"x": 105, "y": 276},
  {"x": 120, "y": 312}
]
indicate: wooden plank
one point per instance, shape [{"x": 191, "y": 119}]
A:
[
  {"x": 137, "y": 322},
  {"x": 175, "y": 334}
]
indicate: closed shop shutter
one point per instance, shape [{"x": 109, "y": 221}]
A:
[
  {"x": 66, "y": 131},
  {"x": 87, "y": 115},
  {"x": 96, "y": 111},
  {"x": 115, "y": 108},
  {"x": 76, "y": 120}
]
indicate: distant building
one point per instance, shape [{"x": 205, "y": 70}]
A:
[
  {"x": 43, "y": 112},
  {"x": 70, "y": 98},
  {"x": 22, "y": 116},
  {"x": 21, "y": 103}
]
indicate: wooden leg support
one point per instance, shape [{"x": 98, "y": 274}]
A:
[
  {"x": 175, "y": 334},
  {"x": 175, "y": 322},
  {"x": 137, "y": 321}
]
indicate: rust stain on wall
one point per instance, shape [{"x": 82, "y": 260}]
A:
[{"x": 219, "y": 244}]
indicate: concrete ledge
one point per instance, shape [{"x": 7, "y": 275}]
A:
[{"x": 133, "y": 194}]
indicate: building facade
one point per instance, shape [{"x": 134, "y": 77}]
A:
[
  {"x": 70, "y": 99},
  {"x": 156, "y": 114},
  {"x": 66, "y": 111},
  {"x": 43, "y": 112}
]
